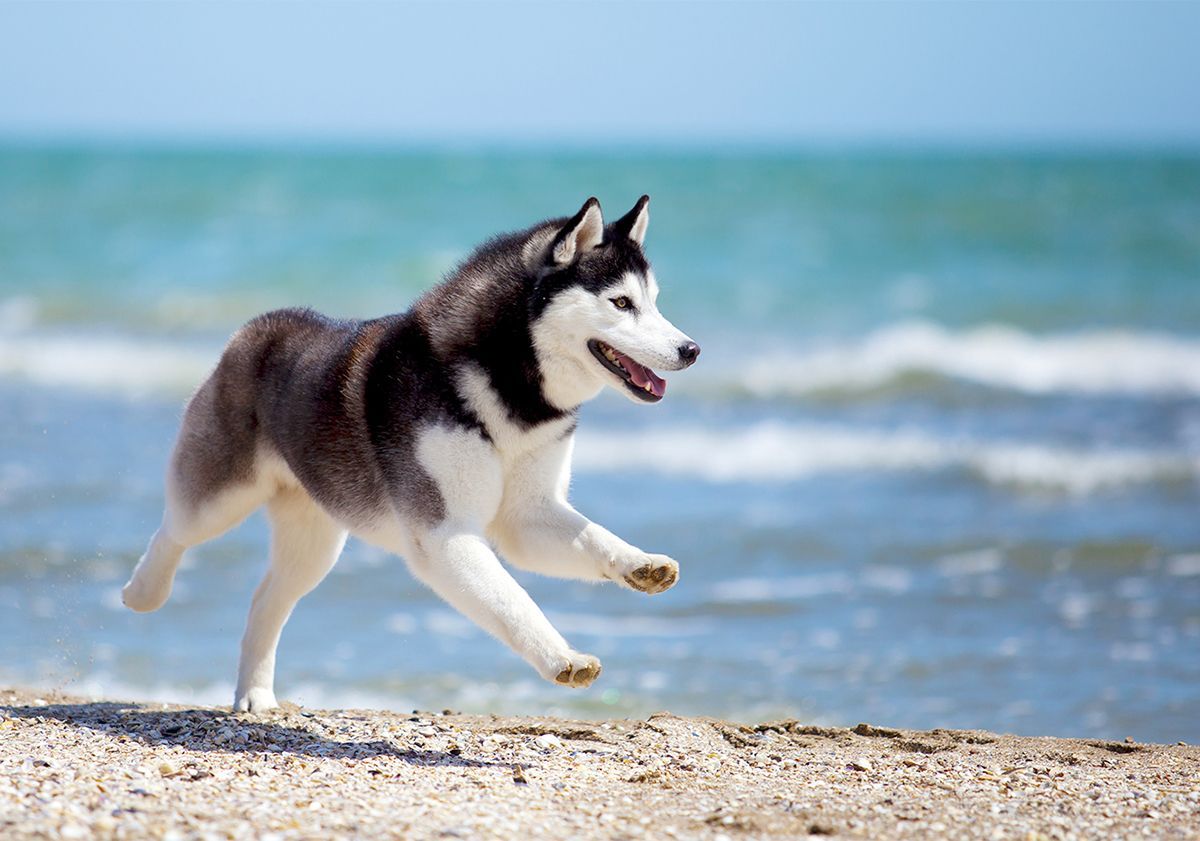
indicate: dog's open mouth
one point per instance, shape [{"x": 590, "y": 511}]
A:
[{"x": 639, "y": 379}]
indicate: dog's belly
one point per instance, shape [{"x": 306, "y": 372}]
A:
[{"x": 389, "y": 534}]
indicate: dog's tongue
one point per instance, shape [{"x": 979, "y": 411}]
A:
[{"x": 641, "y": 375}]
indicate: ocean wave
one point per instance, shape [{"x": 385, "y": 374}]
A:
[
  {"x": 782, "y": 588},
  {"x": 130, "y": 367},
  {"x": 100, "y": 685},
  {"x": 605, "y": 627},
  {"x": 778, "y": 452},
  {"x": 818, "y": 585},
  {"x": 1097, "y": 362}
]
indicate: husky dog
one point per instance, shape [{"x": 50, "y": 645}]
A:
[{"x": 436, "y": 434}]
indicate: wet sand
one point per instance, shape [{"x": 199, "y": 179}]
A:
[{"x": 113, "y": 769}]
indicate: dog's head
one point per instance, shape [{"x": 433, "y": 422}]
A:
[{"x": 596, "y": 321}]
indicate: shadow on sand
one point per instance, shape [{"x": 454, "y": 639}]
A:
[{"x": 221, "y": 731}]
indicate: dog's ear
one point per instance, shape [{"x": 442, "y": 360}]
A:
[
  {"x": 583, "y": 233},
  {"x": 633, "y": 224}
]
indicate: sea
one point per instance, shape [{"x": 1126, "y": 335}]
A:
[{"x": 938, "y": 464}]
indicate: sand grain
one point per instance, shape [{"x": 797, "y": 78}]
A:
[{"x": 70, "y": 769}]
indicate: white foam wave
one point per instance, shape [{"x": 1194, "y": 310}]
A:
[
  {"x": 818, "y": 585},
  {"x": 109, "y": 364},
  {"x": 596, "y": 625},
  {"x": 19, "y": 313},
  {"x": 777, "y": 452},
  {"x": 1183, "y": 565},
  {"x": 973, "y": 562},
  {"x": 798, "y": 587},
  {"x": 1098, "y": 362},
  {"x": 1109, "y": 362},
  {"x": 102, "y": 686}
]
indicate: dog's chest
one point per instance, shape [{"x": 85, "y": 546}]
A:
[
  {"x": 512, "y": 439},
  {"x": 515, "y": 444}
]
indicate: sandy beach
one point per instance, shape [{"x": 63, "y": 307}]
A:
[{"x": 71, "y": 768}]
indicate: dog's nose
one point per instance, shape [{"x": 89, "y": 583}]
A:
[{"x": 688, "y": 351}]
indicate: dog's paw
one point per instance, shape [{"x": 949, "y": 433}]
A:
[
  {"x": 143, "y": 594},
  {"x": 580, "y": 671},
  {"x": 257, "y": 700},
  {"x": 659, "y": 574}
]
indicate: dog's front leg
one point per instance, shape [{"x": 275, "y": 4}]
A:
[
  {"x": 457, "y": 564},
  {"x": 538, "y": 530},
  {"x": 454, "y": 560},
  {"x": 554, "y": 539}
]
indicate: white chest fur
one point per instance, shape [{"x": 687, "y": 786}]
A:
[{"x": 513, "y": 442}]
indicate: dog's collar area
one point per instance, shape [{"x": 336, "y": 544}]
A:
[{"x": 639, "y": 379}]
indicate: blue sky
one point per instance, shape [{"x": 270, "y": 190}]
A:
[{"x": 1073, "y": 73}]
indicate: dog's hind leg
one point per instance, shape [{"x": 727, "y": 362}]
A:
[
  {"x": 150, "y": 585},
  {"x": 305, "y": 544},
  {"x": 215, "y": 480},
  {"x": 186, "y": 524}
]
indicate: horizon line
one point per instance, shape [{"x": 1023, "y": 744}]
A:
[{"x": 334, "y": 143}]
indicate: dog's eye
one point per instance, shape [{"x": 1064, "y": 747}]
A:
[{"x": 622, "y": 303}]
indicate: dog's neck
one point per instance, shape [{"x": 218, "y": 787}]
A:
[
  {"x": 505, "y": 351},
  {"x": 489, "y": 326}
]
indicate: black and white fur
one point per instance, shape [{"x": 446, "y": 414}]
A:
[{"x": 443, "y": 434}]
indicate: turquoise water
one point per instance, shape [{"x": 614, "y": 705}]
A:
[{"x": 938, "y": 465}]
